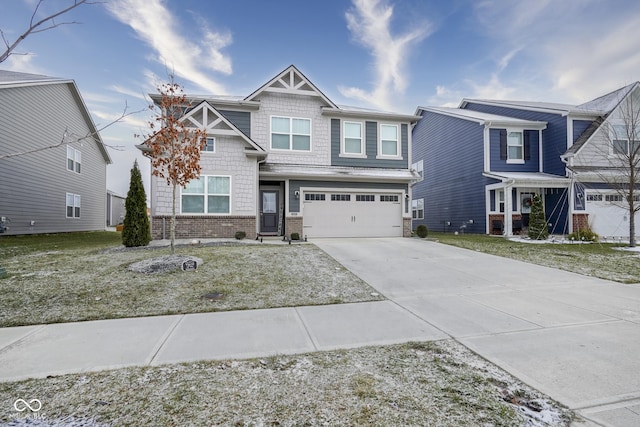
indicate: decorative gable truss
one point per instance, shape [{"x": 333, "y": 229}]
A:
[
  {"x": 291, "y": 81},
  {"x": 205, "y": 116}
]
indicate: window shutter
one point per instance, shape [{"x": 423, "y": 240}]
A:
[
  {"x": 527, "y": 145},
  {"x": 503, "y": 144}
]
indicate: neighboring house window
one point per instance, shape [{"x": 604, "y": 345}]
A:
[
  {"x": 207, "y": 194},
  {"x": 353, "y": 141},
  {"x": 621, "y": 140},
  {"x": 417, "y": 209},
  {"x": 290, "y": 134},
  {"x": 515, "y": 146},
  {"x": 73, "y": 205},
  {"x": 74, "y": 159},
  {"x": 210, "y": 146},
  {"x": 389, "y": 145},
  {"x": 419, "y": 168}
]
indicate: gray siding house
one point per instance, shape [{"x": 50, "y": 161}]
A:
[
  {"x": 286, "y": 159},
  {"x": 53, "y": 164}
]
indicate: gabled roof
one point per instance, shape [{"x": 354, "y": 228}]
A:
[
  {"x": 12, "y": 79},
  {"x": 291, "y": 81},
  {"x": 205, "y": 116},
  {"x": 605, "y": 104},
  {"x": 484, "y": 119},
  {"x": 547, "y": 107}
]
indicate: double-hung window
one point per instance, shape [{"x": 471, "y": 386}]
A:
[
  {"x": 623, "y": 141},
  {"x": 353, "y": 141},
  {"x": 73, "y": 205},
  {"x": 417, "y": 208},
  {"x": 207, "y": 195},
  {"x": 74, "y": 159},
  {"x": 210, "y": 146},
  {"x": 288, "y": 133},
  {"x": 515, "y": 146},
  {"x": 389, "y": 141}
]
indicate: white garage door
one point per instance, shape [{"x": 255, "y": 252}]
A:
[
  {"x": 605, "y": 217},
  {"x": 334, "y": 214}
]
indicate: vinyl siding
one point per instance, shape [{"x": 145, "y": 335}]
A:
[
  {"x": 453, "y": 188},
  {"x": 240, "y": 119},
  {"x": 554, "y": 137},
  {"x": 500, "y": 165},
  {"x": 34, "y": 186},
  {"x": 371, "y": 146},
  {"x": 579, "y": 126}
]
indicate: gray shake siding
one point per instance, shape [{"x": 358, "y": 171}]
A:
[{"x": 34, "y": 186}]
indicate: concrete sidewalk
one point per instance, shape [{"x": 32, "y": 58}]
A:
[{"x": 39, "y": 351}]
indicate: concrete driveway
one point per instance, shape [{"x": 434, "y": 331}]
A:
[{"x": 573, "y": 337}]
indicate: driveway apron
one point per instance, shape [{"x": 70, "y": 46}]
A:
[{"x": 573, "y": 337}]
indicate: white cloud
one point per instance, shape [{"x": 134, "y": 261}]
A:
[
  {"x": 370, "y": 24},
  {"x": 22, "y": 63},
  {"x": 190, "y": 60}
]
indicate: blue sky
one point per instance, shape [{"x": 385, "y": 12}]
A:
[{"x": 386, "y": 54}]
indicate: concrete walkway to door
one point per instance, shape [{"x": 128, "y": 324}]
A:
[{"x": 573, "y": 337}]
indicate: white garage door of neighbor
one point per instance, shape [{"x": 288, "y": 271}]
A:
[
  {"x": 332, "y": 214},
  {"x": 606, "y": 218}
]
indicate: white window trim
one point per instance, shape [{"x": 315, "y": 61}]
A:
[
  {"x": 614, "y": 137},
  {"x": 204, "y": 151},
  {"x": 363, "y": 145},
  {"x": 417, "y": 208},
  {"x": 290, "y": 149},
  {"x": 515, "y": 161},
  {"x": 206, "y": 202},
  {"x": 76, "y": 198},
  {"x": 398, "y": 155},
  {"x": 419, "y": 167},
  {"x": 77, "y": 160}
]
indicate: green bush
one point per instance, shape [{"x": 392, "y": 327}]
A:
[
  {"x": 295, "y": 236},
  {"x": 240, "y": 235},
  {"x": 586, "y": 235},
  {"x": 422, "y": 231}
]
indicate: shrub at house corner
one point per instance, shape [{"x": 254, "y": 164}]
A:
[{"x": 136, "y": 230}]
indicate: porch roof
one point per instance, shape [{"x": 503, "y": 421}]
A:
[
  {"x": 336, "y": 173},
  {"x": 530, "y": 179}
]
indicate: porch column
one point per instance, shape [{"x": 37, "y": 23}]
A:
[{"x": 508, "y": 214}]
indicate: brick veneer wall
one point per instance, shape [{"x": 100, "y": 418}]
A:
[
  {"x": 580, "y": 222},
  {"x": 188, "y": 227},
  {"x": 293, "y": 225},
  {"x": 500, "y": 217},
  {"x": 406, "y": 227}
]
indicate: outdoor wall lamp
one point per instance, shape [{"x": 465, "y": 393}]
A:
[{"x": 297, "y": 194}]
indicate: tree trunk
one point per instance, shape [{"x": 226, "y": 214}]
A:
[{"x": 172, "y": 226}]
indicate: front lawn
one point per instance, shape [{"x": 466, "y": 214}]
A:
[
  {"x": 85, "y": 276},
  {"x": 601, "y": 260}
]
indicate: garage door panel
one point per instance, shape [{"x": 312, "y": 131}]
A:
[
  {"x": 353, "y": 215},
  {"x": 606, "y": 218}
]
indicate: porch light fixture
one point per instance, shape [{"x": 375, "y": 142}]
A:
[{"x": 297, "y": 194}]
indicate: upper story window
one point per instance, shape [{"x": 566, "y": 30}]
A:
[
  {"x": 515, "y": 146},
  {"x": 389, "y": 141},
  {"x": 207, "y": 194},
  {"x": 289, "y": 133},
  {"x": 210, "y": 146},
  {"x": 353, "y": 141},
  {"x": 621, "y": 137},
  {"x": 74, "y": 159},
  {"x": 419, "y": 168}
]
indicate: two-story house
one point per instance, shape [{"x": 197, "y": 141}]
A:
[
  {"x": 481, "y": 164},
  {"x": 286, "y": 159},
  {"x": 53, "y": 163}
]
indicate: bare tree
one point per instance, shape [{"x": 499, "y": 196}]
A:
[
  {"x": 173, "y": 147},
  {"x": 38, "y": 26}
]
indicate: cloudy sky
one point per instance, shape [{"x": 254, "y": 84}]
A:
[{"x": 386, "y": 54}]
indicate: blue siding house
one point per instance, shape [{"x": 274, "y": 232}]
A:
[{"x": 482, "y": 163}]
